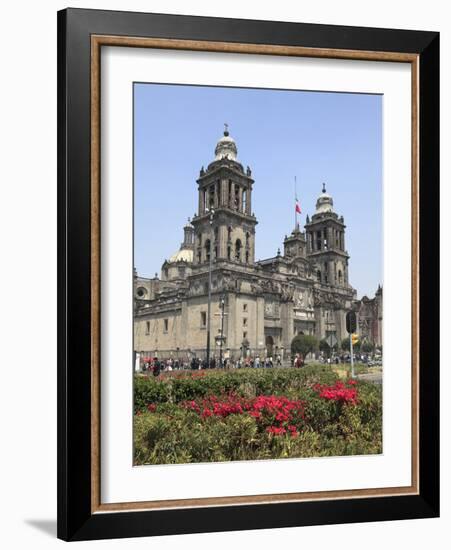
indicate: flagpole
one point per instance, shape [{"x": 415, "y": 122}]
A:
[{"x": 295, "y": 202}]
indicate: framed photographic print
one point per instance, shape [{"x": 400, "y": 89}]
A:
[{"x": 248, "y": 274}]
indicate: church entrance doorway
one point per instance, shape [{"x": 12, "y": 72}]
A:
[{"x": 269, "y": 345}]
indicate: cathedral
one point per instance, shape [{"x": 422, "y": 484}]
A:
[{"x": 214, "y": 293}]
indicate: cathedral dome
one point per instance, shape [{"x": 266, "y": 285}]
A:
[
  {"x": 324, "y": 202},
  {"x": 226, "y": 147},
  {"x": 182, "y": 255}
]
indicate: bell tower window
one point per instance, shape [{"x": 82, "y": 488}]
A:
[
  {"x": 244, "y": 205},
  {"x": 211, "y": 197},
  {"x": 207, "y": 250},
  {"x": 236, "y": 200},
  {"x": 318, "y": 240},
  {"x": 238, "y": 247}
]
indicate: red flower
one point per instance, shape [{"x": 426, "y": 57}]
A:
[
  {"x": 338, "y": 392},
  {"x": 151, "y": 407},
  {"x": 275, "y": 430}
]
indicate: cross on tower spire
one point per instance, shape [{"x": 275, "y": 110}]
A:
[
  {"x": 324, "y": 187},
  {"x": 226, "y": 129}
]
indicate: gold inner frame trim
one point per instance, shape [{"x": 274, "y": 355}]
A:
[{"x": 97, "y": 41}]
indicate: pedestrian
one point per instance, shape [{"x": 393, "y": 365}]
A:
[{"x": 156, "y": 367}]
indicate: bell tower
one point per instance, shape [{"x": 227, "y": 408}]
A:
[
  {"x": 226, "y": 189},
  {"x": 326, "y": 243}
]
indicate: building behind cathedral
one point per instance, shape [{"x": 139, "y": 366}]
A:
[{"x": 257, "y": 307}]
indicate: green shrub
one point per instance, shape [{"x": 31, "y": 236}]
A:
[{"x": 172, "y": 434}]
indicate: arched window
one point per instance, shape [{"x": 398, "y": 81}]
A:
[
  {"x": 318, "y": 275},
  {"x": 211, "y": 197},
  {"x": 207, "y": 250},
  {"x": 248, "y": 236},
  {"x": 238, "y": 247},
  {"x": 326, "y": 278},
  {"x": 229, "y": 252},
  {"x": 244, "y": 205},
  {"x": 247, "y": 256},
  {"x": 236, "y": 200},
  {"x": 340, "y": 277},
  {"x": 199, "y": 256},
  {"x": 216, "y": 233},
  {"x": 229, "y": 234}
]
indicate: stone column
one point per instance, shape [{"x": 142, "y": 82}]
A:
[
  {"x": 319, "y": 323},
  {"x": 231, "y": 342},
  {"x": 260, "y": 324},
  {"x": 224, "y": 190},
  {"x": 249, "y": 204},
  {"x": 287, "y": 322},
  {"x": 201, "y": 202},
  {"x": 217, "y": 193},
  {"x": 183, "y": 342}
]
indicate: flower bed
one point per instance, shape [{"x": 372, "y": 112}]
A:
[{"x": 249, "y": 414}]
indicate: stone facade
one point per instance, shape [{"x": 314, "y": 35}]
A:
[
  {"x": 257, "y": 307},
  {"x": 369, "y": 318}
]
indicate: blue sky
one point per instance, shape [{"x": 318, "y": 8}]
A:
[{"x": 319, "y": 137}]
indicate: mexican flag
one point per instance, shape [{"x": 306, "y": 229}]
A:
[{"x": 297, "y": 207}]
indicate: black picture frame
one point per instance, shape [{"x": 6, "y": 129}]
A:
[{"x": 75, "y": 518}]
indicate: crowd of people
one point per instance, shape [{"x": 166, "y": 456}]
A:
[
  {"x": 156, "y": 365},
  {"x": 345, "y": 358}
]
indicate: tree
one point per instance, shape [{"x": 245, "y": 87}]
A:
[
  {"x": 367, "y": 347},
  {"x": 345, "y": 344},
  {"x": 324, "y": 346},
  {"x": 303, "y": 344}
]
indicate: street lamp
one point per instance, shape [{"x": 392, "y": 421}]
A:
[
  {"x": 210, "y": 264},
  {"x": 222, "y": 328}
]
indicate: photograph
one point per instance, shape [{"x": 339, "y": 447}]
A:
[{"x": 257, "y": 274}]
